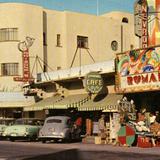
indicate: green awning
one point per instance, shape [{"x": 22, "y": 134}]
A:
[
  {"x": 72, "y": 101},
  {"x": 57, "y": 102},
  {"x": 107, "y": 103},
  {"x": 43, "y": 104}
]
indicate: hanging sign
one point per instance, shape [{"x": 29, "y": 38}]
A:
[
  {"x": 24, "y": 48},
  {"x": 141, "y": 21},
  {"x": 93, "y": 82}
]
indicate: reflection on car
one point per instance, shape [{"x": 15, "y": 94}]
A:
[
  {"x": 23, "y": 128},
  {"x": 4, "y": 122},
  {"x": 57, "y": 128}
]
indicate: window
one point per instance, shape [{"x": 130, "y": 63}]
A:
[
  {"x": 114, "y": 45},
  {"x": 31, "y": 114},
  {"x": 8, "y": 34},
  {"x": 58, "y": 40},
  {"x": 54, "y": 121},
  {"x": 9, "y": 69},
  {"x": 125, "y": 20},
  {"x": 82, "y": 42}
]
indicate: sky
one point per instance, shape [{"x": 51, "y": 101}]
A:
[{"x": 83, "y": 6}]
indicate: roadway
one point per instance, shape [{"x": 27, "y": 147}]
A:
[{"x": 73, "y": 151}]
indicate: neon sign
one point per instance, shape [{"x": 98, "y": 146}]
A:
[
  {"x": 141, "y": 21},
  {"x": 24, "y": 48}
]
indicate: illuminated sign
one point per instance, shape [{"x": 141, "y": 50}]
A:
[
  {"x": 141, "y": 21},
  {"x": 93, "y": 82},
  {"x": 142, "y": 82},
  {"x": 137, "y": 20},
  {"x": 24, "y": 48},
  {"x": 138, "y": 70}
]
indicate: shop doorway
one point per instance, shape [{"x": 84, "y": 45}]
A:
[{"x": 17, "y": 114}]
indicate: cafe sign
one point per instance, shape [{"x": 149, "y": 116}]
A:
[{"x": 93, "y": 82}]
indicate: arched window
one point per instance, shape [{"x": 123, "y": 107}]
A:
[
  {"x": 114, "y": 45},
  {"x": 125, "y": 20}
]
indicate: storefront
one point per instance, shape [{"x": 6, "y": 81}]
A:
[
  {"x": 103, "y": 102},
  {"x": 12, "y": 104},
  {"x": 138, "y": 78},
  {"x": 90, "y": 96}
]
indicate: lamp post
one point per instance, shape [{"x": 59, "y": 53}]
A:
[{"x": 125, "y": 105}]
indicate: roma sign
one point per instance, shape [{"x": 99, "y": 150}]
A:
[
  {"x": 138, "y": 70},
  {"x": 142, "y": 82}
]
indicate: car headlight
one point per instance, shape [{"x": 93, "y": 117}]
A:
[
  {"x": 62, "y": 134},
  {"x": 4, "y": 134},
  {"x": 40, "y": 133},
  {"x": 24, "y": 132}
]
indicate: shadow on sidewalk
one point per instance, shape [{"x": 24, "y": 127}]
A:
[{"x": 72, "y": 154}]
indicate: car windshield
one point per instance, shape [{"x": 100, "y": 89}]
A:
[
  {"x": 28, "y": 122},
  {"x": 54, "y": 121}
]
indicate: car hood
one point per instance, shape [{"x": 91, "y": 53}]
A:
[
  {"x": 16, "y": 129},
  {"x": 2, "y": 127}
]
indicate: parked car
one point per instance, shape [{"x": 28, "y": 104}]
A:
[
  {"x": 4, "y": 122},
  {"x": 23, "y": 128},
  {"x": 58, "y": 128}
]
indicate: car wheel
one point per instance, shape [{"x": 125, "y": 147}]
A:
[
  {"x": 68, "y": 139},
  {"x": 30, "y": 139},
  {"x": 43, "y": 141},
  {"x": 33, "y": 138},
  {"x": 56, "y": 140},
  {"x": 12, "y": 139}
]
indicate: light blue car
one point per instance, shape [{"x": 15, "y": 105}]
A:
[
  {"x": 4, "y": 122},
  {"x": 23, "y": 128}
]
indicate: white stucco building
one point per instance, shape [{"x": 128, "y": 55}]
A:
[{"x": 62, "y": 39}]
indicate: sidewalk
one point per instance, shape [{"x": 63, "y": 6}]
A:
[{"x": 111, "y": 148}]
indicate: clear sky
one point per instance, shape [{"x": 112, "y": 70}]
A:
[{"x": 83, "y": 6}]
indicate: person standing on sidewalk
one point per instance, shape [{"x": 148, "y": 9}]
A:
[{"x": 101, "y": 125}]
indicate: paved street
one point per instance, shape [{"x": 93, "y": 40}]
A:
[{"x": 73, "y": 151}]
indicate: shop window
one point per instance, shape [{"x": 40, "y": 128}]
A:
[
  {"x": 82, "y": 42},
  {"x": 8, "y": 34},
  {"x": 58, "y": 40},
  {"x": 125, "y": 20},
  {"x": 31, "y": 114},
  {"x": 114, "y": 45},
  {"x": 9, "y": 69}
]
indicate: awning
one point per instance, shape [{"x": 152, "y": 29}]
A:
[
  {"x": 43, "y": 104},
  {"x": 57, "y": 102},
  {"x": 106, "y": 103},
  {"x": 14, "y": 100},
  {"x": 72, "y": 101}
]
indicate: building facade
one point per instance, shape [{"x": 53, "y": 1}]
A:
[{"x": 61, "y": 40}]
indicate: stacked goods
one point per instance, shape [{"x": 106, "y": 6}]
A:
[{"x": 155, "y": 129}]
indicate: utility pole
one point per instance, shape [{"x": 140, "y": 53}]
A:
[{"x": 97, "y": 7}]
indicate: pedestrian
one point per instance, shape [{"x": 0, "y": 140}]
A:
[
  {"x": 157, "y": 117},
  {"x": 78, "y": 124},
  {"x": 101, "y": 125}
]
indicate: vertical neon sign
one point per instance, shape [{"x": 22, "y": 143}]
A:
[
  {"x": 141, "y": 22},
  {"x": 24, "y": 48}
]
